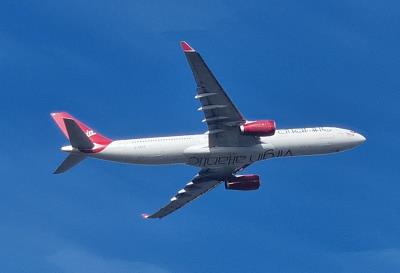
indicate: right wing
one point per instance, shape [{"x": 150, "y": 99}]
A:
[
  {"x": 206, "y": 180},
  {"x": 221, "y": 115}
]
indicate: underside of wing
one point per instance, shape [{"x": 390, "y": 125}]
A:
[
  {"x": 204, "y": 181},
  {"x": 220, "y": 114},
  {"x": 191, "y": 191}
]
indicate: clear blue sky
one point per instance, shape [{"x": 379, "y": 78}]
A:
[{"x": 117, "y": 65}]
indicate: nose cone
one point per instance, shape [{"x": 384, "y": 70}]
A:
[
  {"x": 348, "y": 139},
  {"x": 359, "y": 138},
  {"x": 355, "y": 139}
]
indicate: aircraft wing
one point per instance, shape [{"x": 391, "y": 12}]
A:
[
  {"x": 221, "y": 115},
  {"x": 205, "y": 180}
]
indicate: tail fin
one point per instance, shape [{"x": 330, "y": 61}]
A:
[
  {"x": 81, "y": 136},
  {"x": 96, "y": 138},
  {"x": 77, "y": 137}
]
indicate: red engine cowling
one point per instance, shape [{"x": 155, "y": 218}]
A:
[
  {"x": 259, "y": 128},
  {"x": 247, "y": 182}
]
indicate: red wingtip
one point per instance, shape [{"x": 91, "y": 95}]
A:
[
  {"x": 145, "y": 215},
  {"x": 186, "y": 47}
]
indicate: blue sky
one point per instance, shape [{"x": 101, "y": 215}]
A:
[{"x": 117, "y": 65}]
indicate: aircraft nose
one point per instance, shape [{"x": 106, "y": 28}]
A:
[
  {"x": 363, "y": 139},
  {"x": 359, "y": 138}
]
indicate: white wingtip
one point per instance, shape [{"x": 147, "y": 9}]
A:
[{"x": 145, "y": 215}]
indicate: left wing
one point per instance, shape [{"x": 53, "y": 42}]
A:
[
  {"x": 220, "y": 114},
  {"x": 206, "y": 180}
]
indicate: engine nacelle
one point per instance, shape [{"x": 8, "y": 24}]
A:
[
  {"x": 259, "y": 128},
  {"x": 247, "y": 182}
]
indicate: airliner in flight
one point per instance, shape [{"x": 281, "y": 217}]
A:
[{"x": 231, "y": 143}]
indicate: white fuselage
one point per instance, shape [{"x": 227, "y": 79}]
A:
[{"x": 194, "y": 149}]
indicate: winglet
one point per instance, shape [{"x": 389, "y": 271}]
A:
[
  {"x": 186, "y": 47},
  {"x": 145, "y": 215}
]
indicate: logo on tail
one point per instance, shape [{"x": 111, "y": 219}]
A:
[{"x": 90, "y": 133}]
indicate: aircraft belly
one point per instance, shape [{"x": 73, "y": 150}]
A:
[{"x": 218, "y": 157}]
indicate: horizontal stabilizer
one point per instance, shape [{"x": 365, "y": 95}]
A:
[
  {"x": 76, "y": 136},
  {"x": 69, "y": 162}
]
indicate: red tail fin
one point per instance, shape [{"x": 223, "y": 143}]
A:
[{"x": 92, "y": 135}]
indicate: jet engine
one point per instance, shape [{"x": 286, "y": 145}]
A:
[
  {"x": 259, "y": 128},
  {"x": 243, "y": 182}
]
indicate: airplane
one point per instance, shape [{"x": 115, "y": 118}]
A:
[{"x": 231, "y": 143}]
